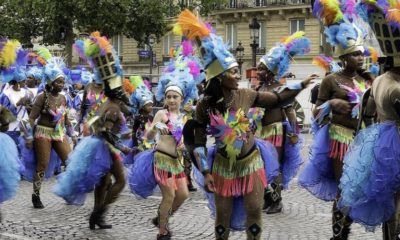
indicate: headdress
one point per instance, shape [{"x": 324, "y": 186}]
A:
[
  {"x": 326, "y": 63},
  {"x": 214, "y": 53},
  {"x": 141, "y": 95},
  {"x": 81, "y": 75},
  {"x": 12, "y": 61},
  {"x": 340, "y": 27},
  {"x": 180, "y": 74},
  {"x": 101, "y": 56},
  {"x": 371, "y": 60},
  {"x": 53, "y": 67},
  {"x": 35, "y": 72},
  {"x": 384, "y": 18},
  {"x": 278, "y": 58}
]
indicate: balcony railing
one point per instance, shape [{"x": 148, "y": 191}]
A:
[{"x": 260, "y": 3}]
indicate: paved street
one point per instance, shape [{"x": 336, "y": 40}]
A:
[{"x": 304, "y": 217}]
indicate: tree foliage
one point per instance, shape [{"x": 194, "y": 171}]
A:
[{"x": 57, "y": 21}]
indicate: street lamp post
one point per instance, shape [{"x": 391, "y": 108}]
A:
[
  {"x": 151, "y": 42},
  {"x": 254, "y": 27},
  {"x": 239, "y": 56}
]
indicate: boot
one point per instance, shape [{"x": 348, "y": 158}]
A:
[
  {"x": 275, "y": 208},
  {"x": 36, "y": 201},
  {"x": 97, "y": 218},
  {"x": 191, "y": 187},
  {"x": 164, "y": 237},
  {"x": 155, "y": 222}
]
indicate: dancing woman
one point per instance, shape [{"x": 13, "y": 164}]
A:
[
  {"x": 96, "y": 158},
  {"x": 46, "y": 127},
  {"x": 337, "y": 113},
  {"x": 279, "y": 125},
  {"x": 176, "y": 87},
  {"x": 370, "y": 186},
  {"x": 236, "y": 170}
]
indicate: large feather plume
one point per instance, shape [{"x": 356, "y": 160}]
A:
[
  {"x": 190, "y": 26},
  {"x": 9, "y": 53},
  {"x": 328, "y": 11}
]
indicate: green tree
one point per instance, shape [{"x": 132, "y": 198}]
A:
[
  {"x": 147, "y": 18},
  {"x": 55, "y": 21}
]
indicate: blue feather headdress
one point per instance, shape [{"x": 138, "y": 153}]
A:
[
  {"x": 181, "y": 74},
  {"x": 278, "y": 59},
  {"x": 81, "y": 75},
  {"x": 141, "y": 95},
  {"x": 340, "y": 28},
  {"x": 35, "y": 72},
  {"x": 214, "y": 53}
]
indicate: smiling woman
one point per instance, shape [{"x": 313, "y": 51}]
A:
[{"x": 239, "y": 168}]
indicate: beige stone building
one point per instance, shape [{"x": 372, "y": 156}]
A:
[{"x": 278, "y": 18}]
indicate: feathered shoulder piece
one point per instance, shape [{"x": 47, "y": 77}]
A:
[{"x": 326, "y": 63}]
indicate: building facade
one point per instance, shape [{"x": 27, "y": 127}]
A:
[{"x": 277, "y": 18}]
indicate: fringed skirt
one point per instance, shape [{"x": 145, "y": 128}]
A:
[
  {"x": 371, "y": 175},
  {"x": 273, "y": 133},
  {"x": 91, "y": 159},
  {"x": 48, "y": 133},
  {"x": 151, "y": 168},
  {"x": 330, "y": 141},
  {"x": 265, "y": 152},
  {"x": 10, "y": 167},
  {"x": 167, "y": 168}
]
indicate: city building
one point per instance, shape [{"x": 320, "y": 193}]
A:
[{"x": 277, "y": 18}]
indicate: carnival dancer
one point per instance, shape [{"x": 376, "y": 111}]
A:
[
  {"x": 34, "y": 76},
  {"x": 142, "y": 100},
  {"x": 96, "y": 158},
  {"x": 370, "y": 186},
  {"x": 45, "y": 130},
  {"x": 16, "y": 97},
  {"x": 176, "y": 87},
  {"x": 279, "y": 125},
  {"x": 235, "y": 171},
  {"x": 188, "y": 111},
  {"x": 10, "y": 165},
  {"x": 337, "y": 111}
]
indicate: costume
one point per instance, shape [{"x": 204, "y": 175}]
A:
[
  {"x": 370, "y": 182},
  {"x": 47, "y": 127},
  {"x": 97, "y": 157},
  {"x": 167, "y": 158},
  {"x": 15, "y": 97},
  {"x": 10, "y": 165},
  {"x": 279, "y": 125},
  {"x": 238, "y": 169},
  {"x": 322, "y": 173}
]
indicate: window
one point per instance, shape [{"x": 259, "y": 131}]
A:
[
  {"x": 168, "y": 43},
  {"x": 231, "y": 34},
  {"x": 117, "y": 43},
  {"x": 232, "y": 3},
  {"x": 296, "y": 25},
  {"x": 260, "y": 3},
  {"x": 187, "y": 3}
]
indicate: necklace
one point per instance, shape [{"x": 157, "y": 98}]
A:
[{"x": 232, "y": 99}]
